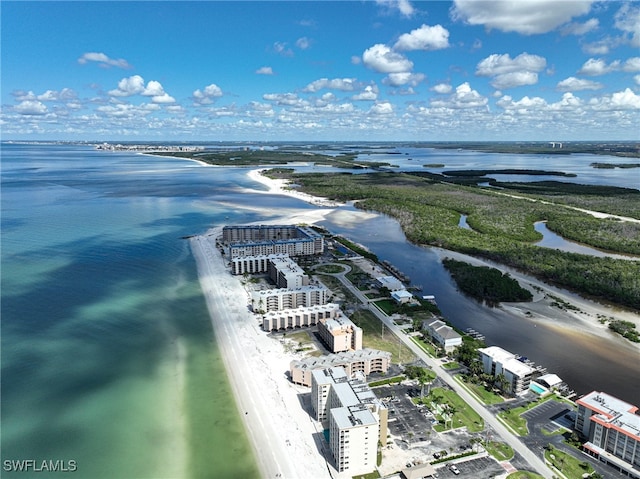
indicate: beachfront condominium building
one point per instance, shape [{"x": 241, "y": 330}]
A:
[
  {"x": 517, "y": 375},
  {"x": 356, "y": 419},
  {"x": 254, "y": 240},
  {"x": 365, "y": 361},
  {"x": 282, "y": 270},
  {"x": 298, "y": 317},
  {"x": 339, "y": 333},
  {"x": 612, "y": 429},
  {"x": 442, "y": 334},
  {"x": 288, "y": 298}
]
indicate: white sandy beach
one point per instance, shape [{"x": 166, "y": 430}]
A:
[{"x": 283, "y": 435}]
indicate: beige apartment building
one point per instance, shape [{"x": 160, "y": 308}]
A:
[
  {"x": 340, "y": 334},
  {"x": 288, "y": 298},
  {"x": 365, "y": 361},
  {"x": 298, "y": 317},
  {"x": 255, "y": 240},
  {"x": 357, "y": 420},
  {"x": 282, "y": 270}
]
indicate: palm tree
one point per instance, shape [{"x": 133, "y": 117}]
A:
[{"x": 502, "y": 380}]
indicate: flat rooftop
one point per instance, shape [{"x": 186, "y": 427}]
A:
[{"x": 611, "y": 410}]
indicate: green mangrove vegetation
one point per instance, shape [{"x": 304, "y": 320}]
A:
[
  {"x": 485, "y": 283},
  {"x": 615, "y": 165},
  {"x": 278, "y": 156},
  {"x": 503, "y": 226}
]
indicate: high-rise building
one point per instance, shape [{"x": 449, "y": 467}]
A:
[
  {"x": 357, "y": 420},
  {"x": 612, "y": 429}
]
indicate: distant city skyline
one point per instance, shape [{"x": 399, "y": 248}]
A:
[{"x": 388, "y": 70}]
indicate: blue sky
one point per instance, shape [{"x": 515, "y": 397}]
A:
[{"x": 303, "y": 70}]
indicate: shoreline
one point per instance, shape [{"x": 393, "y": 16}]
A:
[
  {"x": 282, "y": 187},
  {"x": 284, "y": 438}
]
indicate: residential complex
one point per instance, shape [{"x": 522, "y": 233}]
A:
[
  {"x": 255, "y": 240},
  {"x": 339, "y": 333},
  {"x": 288, "y": 298},
  {"x": 365, "y": 361},
  {"x": 357, "y": 420},
  {"x": 517, "y": 374},
  {"x": 282, "y": 270},
  {"x": 442, "y": 334},
  {"x": 612, "y": 429},
  {"x": 299, "y": 317}
]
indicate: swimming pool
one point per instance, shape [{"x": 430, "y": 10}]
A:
[{"x": 536, "y": 388}]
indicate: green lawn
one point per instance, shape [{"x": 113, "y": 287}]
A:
[
  {"x": 387, "y": 306},
  {"x": 373, "y": 337},
  {"x": 451, "y": 365},
  {"x": 426, "y": 347},
  {"x": 515, "y": 421},
  {"x": 524, "y": 475},
  {"x": 330, "y": 268},
  {"x": 486, "y": 396},
  {"x": 571, "y": 467},
  {"x": 372, "y": 475},
  {"x": 500, "y": 450},
  {"x": 463, "y": 415}
]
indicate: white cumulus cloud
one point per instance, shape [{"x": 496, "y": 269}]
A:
[
  {"x": 383, "y": 108},
  {"x": 579, "y": 29},
  {"x": 164, "y": 98},
  {"x": 424, "y": 38},
  {"x": 404, "y": 78},
  {"x": 463, "y": 97},
  {"x": 527, "y": 17},
  {"x": 264, "y": 71},
  {"x": 130, "y": 86},
  {"x": 31, "y": 107},
  {"x": 343, "y": 84},
  {"x": 403, "y": 6},
  {"x": 207, "y": 95},
  {"x": 627, "y": 19},
  {"x": 382, "y": 59},
  {"x": 103, "y": 60},
  {"x": 370, "y": 93},
  {"x": 500, "y": 64},
  {"x": 510, "y": 72},
  {"x": 442, "y": 88},
  {"x": 596, "y": 67},
  {"x": 577, "y": 84},
  {"x": 514, "y": 79}
]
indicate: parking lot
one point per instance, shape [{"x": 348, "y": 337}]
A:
[{"x": 482, "y": 467}]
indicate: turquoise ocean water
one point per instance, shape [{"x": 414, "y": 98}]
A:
[{"x": 108, "y": 355}]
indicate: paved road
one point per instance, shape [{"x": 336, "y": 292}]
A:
[{"x": 508, "y": 437}]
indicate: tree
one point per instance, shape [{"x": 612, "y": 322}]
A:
[{"x": 501, "y": 380}]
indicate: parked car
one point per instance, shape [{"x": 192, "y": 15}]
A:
[{"x": 454, "y": 469}]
